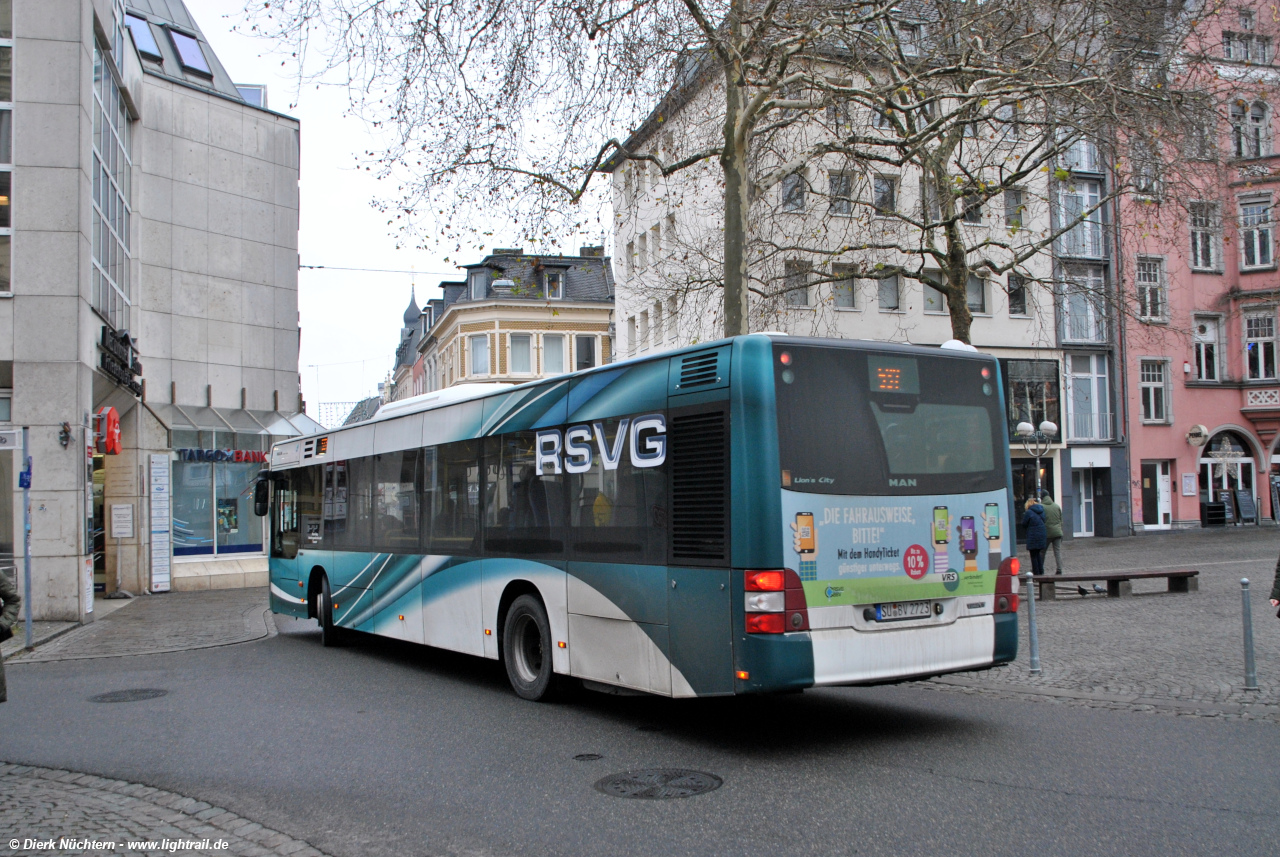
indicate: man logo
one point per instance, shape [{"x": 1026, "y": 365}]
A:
[
  {"x": 902, "y": 483},
  {"x": 571, "y": 450}
]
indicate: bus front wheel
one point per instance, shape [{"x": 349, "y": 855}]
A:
[
  {"x": 329, "y": 632},
  {"x": 526, "y": 649}
]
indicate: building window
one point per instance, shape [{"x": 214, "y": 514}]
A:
[
  {"x": 1206, "y": 348},
  {"x": 973, "y": 208},
  {"x": 553, "y": 284},
  {"x": 843, "y": 289},
  {"x": 585, "y": 347},
  {"x": 553, "y": 354},
  {"x": 631, "y": 259},
  {"x": 521, "y": 354},
  {"x": 975, "y": 294},
  {"x": 633, "y": 340},
  {"x": 253, "y": 93},
  {"x": 1008, "y": 120},
  {"x": 656, "y": 315},
  {"x": 643, "y": 250},
  {"x": 1250, "y": 129},
  {"x": 644, "y": 330},
  {"x": 1082, "y": 157},
  {"x": 1201, "y": 121},
  {"x": 1151, "y": 289},
  {"x": 1145, "y": 169},
  {"x": 1017, "y": 290},
  {"x": 1153, "y": 381},
  {"x": 1255, "y": 233},
  {"x": 111, "y": 195},
  {"x": 909, "y": 39},
  {"x": 793, "y": 193},
  {"x": 143, "y": 39},
  {"x": 1205, "y": 236},
  {"x": 1032, "y": 391},
  {"x": 841, "y": 194},
  {"x": 655, "y": 242},
  {"x": 190, "y": 53},
  {"x": 1246, "y": 47},
  {"x": 1260, "y": 346},
  {"x": 1080, "y": 215},
  {"x": 6, "y": 406},
  {"x": 479, "y": 284},
  {"x": 628, "y": 187},
  {"x": 796, "y": 283},
  {"x": 930, "y": 200},
  {"x": 885, "y": 200},
  {"x": 1088, "y": 409},
  {"x": 1013, "y": 209},
  {"x": 934, "y": 299},
  {"x": 889, "y": 293},
  {"x": 671, "y": 319},
  {"x": 6, "y": 142},
  {"x": 1083, "y": 305},
  {"x": 480, "y": 354}
]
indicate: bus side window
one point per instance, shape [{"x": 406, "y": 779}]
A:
[
  {"x": 455, "y": 509},
  {"x": 296, "y": 513},
  {"x": 524, "y": 509},
  {"x": 618, "y": 515},
  {"x": 395, "y": 499}
]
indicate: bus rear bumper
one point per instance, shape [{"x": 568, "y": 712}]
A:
[{"x": 845, "y": 656}]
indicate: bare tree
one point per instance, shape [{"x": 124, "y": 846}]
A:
[{"x": 505, "y": 110}]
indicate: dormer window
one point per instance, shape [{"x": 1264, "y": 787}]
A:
[
  {"x": 479, "y": 284},
  {"x": 189, "y": 53},
  {"x": 143, "y": 39},
  {"x": 553, "y": 284}
]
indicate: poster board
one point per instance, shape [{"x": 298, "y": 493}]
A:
[
  {"x": 1248, "y": 511},
  {"x": 161, "y": 547}
]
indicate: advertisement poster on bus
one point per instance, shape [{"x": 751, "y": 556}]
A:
[{"x": 863, "y": 550}]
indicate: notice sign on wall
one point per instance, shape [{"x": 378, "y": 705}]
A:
[
  {"x": 161, "y": 550},
  {"x": 122, "y": 521}
]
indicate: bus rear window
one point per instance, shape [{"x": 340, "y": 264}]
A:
[{"x": 860, "y": 422}]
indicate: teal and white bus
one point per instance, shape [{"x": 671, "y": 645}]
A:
[{"x": 759, "y": 514}]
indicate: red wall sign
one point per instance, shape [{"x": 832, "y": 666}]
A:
[{"x": 108, "y": 430}]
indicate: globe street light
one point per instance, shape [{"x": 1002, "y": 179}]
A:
[{"x": 1036, "y": 441}]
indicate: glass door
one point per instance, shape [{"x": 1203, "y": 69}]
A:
[{"x": 1082, "y": 489}]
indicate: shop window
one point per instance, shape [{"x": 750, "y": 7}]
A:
[{"x": 1031, "y": 391}]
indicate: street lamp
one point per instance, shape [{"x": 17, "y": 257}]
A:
[{"x": 1036, "y": 441}]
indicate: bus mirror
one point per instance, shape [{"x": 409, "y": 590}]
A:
[{"x": 261, "y": 498}]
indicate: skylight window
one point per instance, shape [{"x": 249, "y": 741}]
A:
[
  {"x": 143, "y": 39},
  {"x": 189, "y": 53}
]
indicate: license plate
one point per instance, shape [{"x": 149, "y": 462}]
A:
[{"x": 903, "y": 610}]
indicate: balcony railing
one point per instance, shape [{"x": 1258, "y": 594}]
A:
[{"x": 1089, "y": 426}]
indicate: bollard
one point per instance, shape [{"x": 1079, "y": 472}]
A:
[
  {"x": 1250, "y": 669},
  {"x": 1031, "y": 626}
]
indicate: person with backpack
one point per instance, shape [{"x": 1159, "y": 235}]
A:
[
  {"x": 1053, "y": 524},
  {"x": 1037, "y": 534}
]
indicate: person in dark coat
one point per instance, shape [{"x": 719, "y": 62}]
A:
[
  {"x": 9, "y": 604},
  {"x": 1037, "y": 535},
  {"x": 1275, "y": 589}
]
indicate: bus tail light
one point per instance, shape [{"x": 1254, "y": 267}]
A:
[
  {"x": 775, "y": 602},
  {"x": 1006, "y": 596}
]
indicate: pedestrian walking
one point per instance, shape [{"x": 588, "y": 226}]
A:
[
  {"x": 9, "y": 604},
  {"x": 1053, "y": 527},
  {"x": 1275, "y": 590},
  {"x": 1037, "y": 534}
]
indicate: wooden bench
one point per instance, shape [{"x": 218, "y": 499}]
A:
[{"x": 1119, "y": 582}]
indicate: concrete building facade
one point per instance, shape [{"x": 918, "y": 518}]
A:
[{"x": 150, "y": 275}]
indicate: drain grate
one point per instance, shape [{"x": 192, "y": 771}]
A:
[
  {"x": 659, "y": 783},
  {"x": 587, "y": 757},
  {"x": 137, "y": 694}
]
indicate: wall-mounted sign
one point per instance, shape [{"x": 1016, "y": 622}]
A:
[
  {"x": 1197, "y": 435},
  {"x": 121, "y": 520},
  {"x": 108, "y": 431},
  {"x": 1188, "y": 485},
  {"x": 119, "y": 359},
  {"x": 239, "y": 455}
]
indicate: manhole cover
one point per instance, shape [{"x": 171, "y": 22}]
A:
[
  {"x": 659, "y": 783},
  {"x": 587, "y": 757},
  {"x": 137, "y": 694}
]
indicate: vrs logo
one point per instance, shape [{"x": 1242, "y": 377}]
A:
[
  {"x": 902, "y": 483},
  {"x": 572, "y": 450}
]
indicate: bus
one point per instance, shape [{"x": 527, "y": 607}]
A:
[{"x": 759, "y": 514}]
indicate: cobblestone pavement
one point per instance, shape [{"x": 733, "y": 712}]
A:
[
  {"x": 41, "y": 633},
  {"x": 172, "y": 622},
  {"x": 83, "y": 813},
  {"x": 1155, "y": 651}
]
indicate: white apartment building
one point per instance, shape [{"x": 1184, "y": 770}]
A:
[
  {"x": 148, "y": 252},
  {"x": 668, "y": 243}
]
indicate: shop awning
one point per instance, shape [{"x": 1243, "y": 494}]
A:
[{"x": 273, "y": 423}]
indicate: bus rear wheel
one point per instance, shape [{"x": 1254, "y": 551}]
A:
[
  {"x": 329, "y": 632},
  {"x": 526, "y": 649}
]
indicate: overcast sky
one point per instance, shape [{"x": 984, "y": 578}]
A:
[{"x": 350, "y": 320}]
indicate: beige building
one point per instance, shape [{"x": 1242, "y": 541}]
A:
[
  {"x": 149, "y": 266},
  {"x": 518, "y": 317}
]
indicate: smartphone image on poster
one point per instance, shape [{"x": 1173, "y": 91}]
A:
[
  {"x": 992, "y": 513},
  {"x": 804, "y": 531},
  {"x": 968, "y": 534},
  {"x": 940, "y": 520}
]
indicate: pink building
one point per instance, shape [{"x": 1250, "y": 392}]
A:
[{"x": 1201, "y": 281}]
